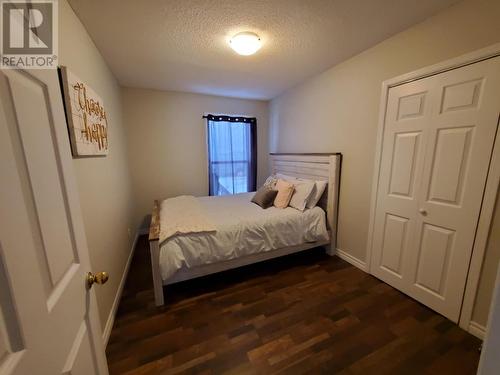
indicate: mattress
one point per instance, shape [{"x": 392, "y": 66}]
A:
[{"x": 243, "y": 228}]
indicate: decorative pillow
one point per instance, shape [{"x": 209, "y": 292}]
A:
[
  {"x": 271, "y": 182},
  {"x": 285, "y": 192},
  {"x": 303, "y": 191},
  {"x": 319, "y": 188},
  {"x": 264, "y": 197}
]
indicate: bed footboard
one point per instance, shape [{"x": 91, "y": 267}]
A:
[{"x": 154, "y": 247}]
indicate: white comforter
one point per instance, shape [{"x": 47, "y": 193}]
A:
[
  {"x": 243, "y": 228},
  {"x": 183, "y": 215}
]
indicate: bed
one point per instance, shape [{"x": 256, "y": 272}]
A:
[{"x": 246, "y": 233}]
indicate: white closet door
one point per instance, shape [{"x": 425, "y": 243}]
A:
[{"x": 438, "y": 139}]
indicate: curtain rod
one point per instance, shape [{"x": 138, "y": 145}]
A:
[
  {"x": 230, "y": 118},
  {"x": 207, "y": 116}
]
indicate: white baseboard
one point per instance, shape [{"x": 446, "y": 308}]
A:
[
  {"x": 112, "y": 314},
  {"x": 353, "y": 260},
  {"x": 477, "y": 330}
]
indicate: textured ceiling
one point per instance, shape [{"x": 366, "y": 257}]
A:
[{"x": 182, "y": 44}]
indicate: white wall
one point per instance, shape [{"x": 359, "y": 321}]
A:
[
  {"x": 103, "y": 183},
  {"x": 490, "y": 360},
  {"x": 337, "y": 111},
  {"x": 167, "y": 141}
]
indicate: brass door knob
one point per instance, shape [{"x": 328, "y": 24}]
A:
[{"x": 99, "y": 278}]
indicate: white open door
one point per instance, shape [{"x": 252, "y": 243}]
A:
[
  {"x": 48, "y": 318},
  {"x": 438, "y": 139}
]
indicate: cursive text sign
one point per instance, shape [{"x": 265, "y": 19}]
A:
[{"x": 86, "y": 116}]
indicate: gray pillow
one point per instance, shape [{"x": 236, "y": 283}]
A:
[{"x": 264, "y": 197}]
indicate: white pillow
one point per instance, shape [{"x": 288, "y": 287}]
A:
[
  {"x": 303, "y": 191},
  {"x": 287, "y": 177},
  {"x": 319, "y": 188},
  {"x": 271, "y": 182}
]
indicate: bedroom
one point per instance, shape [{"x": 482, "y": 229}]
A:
[{"x": 318, "y": 91}]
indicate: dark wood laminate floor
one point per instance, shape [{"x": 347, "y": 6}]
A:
[{"x": 306, "y": 313}]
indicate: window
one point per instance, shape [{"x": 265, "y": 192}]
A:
[{"x": 232, "y": 154}]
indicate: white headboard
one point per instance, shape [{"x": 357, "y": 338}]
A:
[{"x": 324, "y": 167}]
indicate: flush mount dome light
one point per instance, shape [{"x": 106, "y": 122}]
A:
[{"x": 245, "y": 43}]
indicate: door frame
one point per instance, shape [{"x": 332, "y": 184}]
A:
[{"x": 491, "y": 187}]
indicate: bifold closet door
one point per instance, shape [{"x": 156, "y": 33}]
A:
[{"x": 438, "y": 139}]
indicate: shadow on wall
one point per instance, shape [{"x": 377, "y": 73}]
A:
[{"x": 144, "y": 227}]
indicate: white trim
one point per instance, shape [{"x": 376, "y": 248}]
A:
[
  {"x": 492, "y": 182},
  {"x": 477, "y": 330},
  {"x": 376, "y": 172},
  {"x": 482, "y": 235},
  {"x": 112, "y": 314},
  {"x": 352, "y": 260}
]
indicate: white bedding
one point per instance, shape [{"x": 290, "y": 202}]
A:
[
  {"x": 183, "y": 215},
  {"x": 243, "y": 228}
]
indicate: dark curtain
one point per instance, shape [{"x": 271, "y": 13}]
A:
[{"x": 232, "y": 154}]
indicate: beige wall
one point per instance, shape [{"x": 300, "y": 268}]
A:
[
  {"x": 338, "y": 109},
  {"x": 103, "y": 183},
  {"x": 167, "y": 141},
  {"x": 489, "y": 271}
]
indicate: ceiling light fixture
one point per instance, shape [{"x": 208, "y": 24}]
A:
[{"x": 245, "y": 43}]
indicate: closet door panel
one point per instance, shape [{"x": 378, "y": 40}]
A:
[
  {"x": 401, "y": 171},
  {"x": 438, "y": 139},
  {"x": 461, "y": 134}
]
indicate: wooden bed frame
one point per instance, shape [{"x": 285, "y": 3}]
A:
[{"x": 325, "y": 166}]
